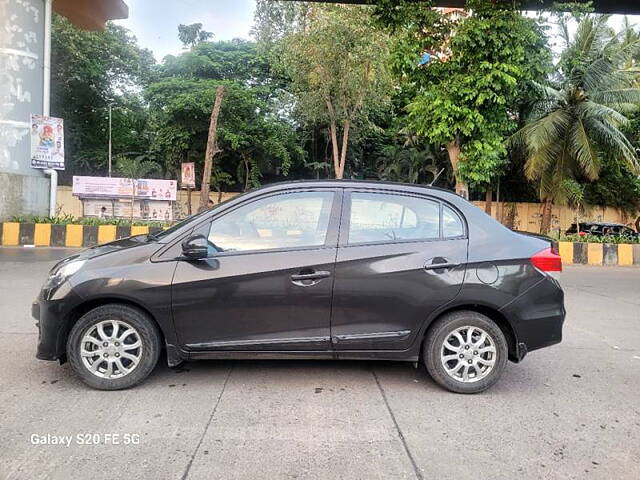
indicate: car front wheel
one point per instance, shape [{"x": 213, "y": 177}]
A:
[
  {"x": 465, "y": 352},
  {"x": 113, "y": 347}
]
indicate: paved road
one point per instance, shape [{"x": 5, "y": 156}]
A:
[{"x": 570, "y": 411}]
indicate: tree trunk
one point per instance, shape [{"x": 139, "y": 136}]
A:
[
  {"x": 246, "y": 172},
  {"x": 212, "y": 149},
  {"x": 453, "y": 149},
  {"x": 488, "y": 202},
  {"x": 344, "y": 147},
  {"x": 189, "y": 200},
  {"x": 545, "y": 224}
]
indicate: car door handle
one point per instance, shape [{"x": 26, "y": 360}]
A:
[
  {"x": 440, "y": 266},
  {"x": 310, "y": 276}
]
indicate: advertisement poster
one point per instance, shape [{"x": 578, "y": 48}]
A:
[
  {"x": 116, "y": 187},
  {"x": 158, "y": 210},
  {"x": 47, "y": 142},
  {"x": 188, "y": 175}
]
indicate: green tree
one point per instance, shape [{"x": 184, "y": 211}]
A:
[
  {"x": 578, "y": 120},
  {"x": 338, "y": 67},
  {"x": 191, "y": 35},
  {"x": 466, "y": 96},
  {"x": 90, "y": 70},
  {"x": 133, "y": 168}
]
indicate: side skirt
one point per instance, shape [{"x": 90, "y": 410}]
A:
[{"x": 402, "y": 356}]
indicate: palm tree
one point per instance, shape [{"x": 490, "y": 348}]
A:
[
  {"x": 134, "y": 168},
  {"x": 578, "y": 117}
]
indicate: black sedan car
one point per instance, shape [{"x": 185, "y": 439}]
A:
[
  {"x": 601, "y": 229},
  {"x": 309, "y": 270}
]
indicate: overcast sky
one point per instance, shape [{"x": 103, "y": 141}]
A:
[{"x": 155, "y": 22}]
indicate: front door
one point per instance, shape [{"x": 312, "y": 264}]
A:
[
  {"x": 267, "y": 283},
  {"x": 400, "y": 258}
]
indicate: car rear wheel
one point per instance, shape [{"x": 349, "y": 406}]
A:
[
  {"x": 465, "y": 352},
  {"x": 113, "y": 347}
]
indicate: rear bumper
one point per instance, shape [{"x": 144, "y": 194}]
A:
[{"x": 537, "y": 317}]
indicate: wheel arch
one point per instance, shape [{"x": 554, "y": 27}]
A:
[
  {"x": 490, "y": 312},
  {"x": 79, "y": 310}
]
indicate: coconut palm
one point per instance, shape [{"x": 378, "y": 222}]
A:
[
  {"x": 578, "y": 117},
  {"x": 134, "y": 168}
]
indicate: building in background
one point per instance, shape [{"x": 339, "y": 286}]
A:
[{"x": 24, "y": 90}]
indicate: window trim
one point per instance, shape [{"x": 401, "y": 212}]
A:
[
  {"x": 345, "y": 222},
  {"x": 331, "y": 239}
]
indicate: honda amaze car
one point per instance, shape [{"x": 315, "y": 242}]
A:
[{"x": 309, "y": 270}]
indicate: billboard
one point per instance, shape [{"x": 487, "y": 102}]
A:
[
  {"x": 188, "y": 175},
  {"x": 159, "y": 210},
  {"x": 47, "y": 142},
  {"x": 118, "y": 187}
]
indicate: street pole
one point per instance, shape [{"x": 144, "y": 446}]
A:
[
  {"x": 109, "y": 139},
  {"x": 46, "y": 99}
]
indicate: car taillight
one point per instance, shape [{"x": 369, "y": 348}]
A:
[{"x": 547, "y": 261}]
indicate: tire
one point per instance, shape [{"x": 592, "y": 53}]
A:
[
  {"x": 113, "y": 362},
  {"x": 483, "y": 359}
]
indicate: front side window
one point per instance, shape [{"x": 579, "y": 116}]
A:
[
  {"x": 377, "y": 217},
  {"x": 290, "y": 220}
]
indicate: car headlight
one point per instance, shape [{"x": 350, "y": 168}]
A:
[{"x": 58, "y": 275}]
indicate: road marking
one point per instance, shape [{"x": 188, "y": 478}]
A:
[{"x": 395, "y": 423}]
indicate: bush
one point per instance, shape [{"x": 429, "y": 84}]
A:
[
  {"x": 599, "y": 239},
  {"x": 91, "y": 221}
]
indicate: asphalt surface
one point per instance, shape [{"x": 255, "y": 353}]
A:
[{"x": 569, "y": 411}]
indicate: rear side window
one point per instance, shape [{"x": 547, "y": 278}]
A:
[
  {"x": 379, "y": 217},
  {"x": 451, "y": 223}
]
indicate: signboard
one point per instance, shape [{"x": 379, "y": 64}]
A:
[
  {"x": 188, "y": 175},
  {"x": 158, "y": 210},
  {"x": 47, "y": 142},
  {"x": 116, "y": 187}
]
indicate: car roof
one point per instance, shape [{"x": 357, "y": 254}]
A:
[
  {"x": 351, "y": 183},
  {"x": 603, "y": 224}
]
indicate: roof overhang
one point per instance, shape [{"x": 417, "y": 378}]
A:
[
  {"x": 91, "y": 14},
  {"x": 625, "y": 7}
]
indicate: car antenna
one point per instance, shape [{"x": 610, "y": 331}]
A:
[{"x": 436, "y": 177}]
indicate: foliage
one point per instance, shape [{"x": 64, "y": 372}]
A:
[
  {"x": 89, "y": 70},
  {"x": 339, "y": 72},
  {"x": 616, "y": 239},
  {"x": 578, "y": 120},
  {"x": 136, "y": 167},
  {"x": 468, "y": 94},
  {"x": 67, "y": 219},
  {"x": 191, "y": 35},
  {"x": 251, "y": 141}
]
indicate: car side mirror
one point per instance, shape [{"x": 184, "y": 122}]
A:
[{"x": 195, "y": 247}]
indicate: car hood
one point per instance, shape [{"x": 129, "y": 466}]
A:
[{"x": 107, "y": 248}]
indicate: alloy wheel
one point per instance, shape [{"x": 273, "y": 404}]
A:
[
  {"x": 111, "y": 349},
  {"x": 468, "y": 354}
]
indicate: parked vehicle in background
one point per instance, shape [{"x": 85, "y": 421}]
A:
[
  {"x": 322, "y": 270},
  {"x": 601, "y": 229}
]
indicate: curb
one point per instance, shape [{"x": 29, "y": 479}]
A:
[
  {"x": 13, "y": 234},
  {"x": 609, "y": 254}
]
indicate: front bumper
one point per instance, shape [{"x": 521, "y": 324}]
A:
[{"x": 52, "y": 314}]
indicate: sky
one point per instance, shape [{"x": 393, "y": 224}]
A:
[{"x": 155, "y": 22}]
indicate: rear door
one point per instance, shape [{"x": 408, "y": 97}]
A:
[{"x": 400, "y": 257}]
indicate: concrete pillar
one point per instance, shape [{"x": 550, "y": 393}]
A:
[{"x": 23, "y": 190}]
